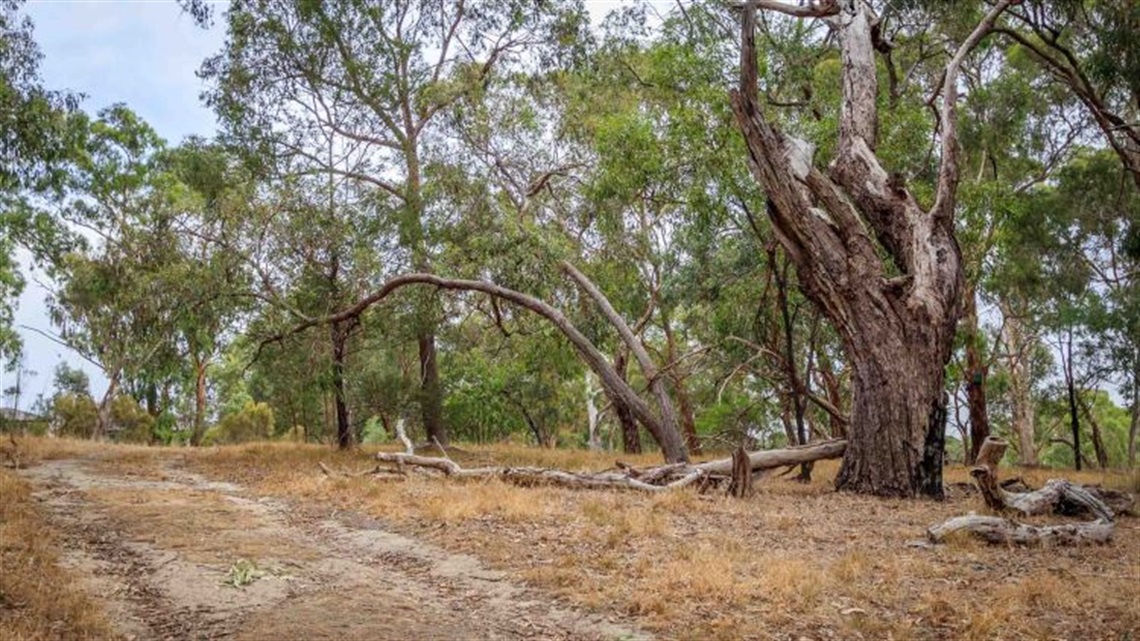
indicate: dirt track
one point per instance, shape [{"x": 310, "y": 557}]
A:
[{"x": 156, "y": 546}]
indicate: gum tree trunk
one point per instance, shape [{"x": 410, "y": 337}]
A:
[
  {"x": 897, "y": 331},
  {"x": 200, "y": 366},
  {"x": 1018, "y": 346},
  {"x": 343, "y": 425}
]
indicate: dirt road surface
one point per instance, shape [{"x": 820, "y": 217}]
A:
[{"x": 160, "y": 548}]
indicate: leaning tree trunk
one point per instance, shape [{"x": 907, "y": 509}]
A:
[
  {"x": 897, "y": 331},
  {"x": 621, "y": 394}
]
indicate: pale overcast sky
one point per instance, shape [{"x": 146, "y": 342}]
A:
[{"x": 143, "y": 53}]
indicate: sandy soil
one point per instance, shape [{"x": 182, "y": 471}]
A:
[{"x": 156, "y": 547}]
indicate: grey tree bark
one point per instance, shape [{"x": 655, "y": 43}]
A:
[{"x": 897, "y": 332}]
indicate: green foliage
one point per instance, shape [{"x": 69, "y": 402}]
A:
[
  {"x": 253, "y": 423},
  {"x": 242, "y": 573},
  {"x": 130, "y": 422},
  {"x": 74, "y": 415}
]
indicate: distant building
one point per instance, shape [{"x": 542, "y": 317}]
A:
[{"x": 18, "y": 416}]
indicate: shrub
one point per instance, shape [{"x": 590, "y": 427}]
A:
[
  {"x": 74, "y": 415},
  {"x": 253, "y": 423},
  {"x": 130, "y": 422}
]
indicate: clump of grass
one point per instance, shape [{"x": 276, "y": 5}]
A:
[
  {"x": 242, "y": 573},
  {"x": 38, "y": 598}
]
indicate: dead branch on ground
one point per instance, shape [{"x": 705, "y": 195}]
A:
[
  {"x": 1058, "y": 496},
  {"x": 1001, "y": 531},
  {"x": 712, "y": 474}
]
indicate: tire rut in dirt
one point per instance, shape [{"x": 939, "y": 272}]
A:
[{"x": 89, "y": 531}]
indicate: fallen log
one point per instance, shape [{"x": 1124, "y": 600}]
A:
[
  {"x": 767, "y": 459},
  {"x": 1000, "y": 531},
  {"x": 676, "y": 477},
  {"x": 1058, "y": 496},
  {"x": 654, "y": 479}
]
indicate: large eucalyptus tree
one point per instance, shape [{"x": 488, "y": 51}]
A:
[{"x": 895, "y": 316}]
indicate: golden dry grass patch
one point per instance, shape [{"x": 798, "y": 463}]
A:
[{"x": 39, "y": 599}]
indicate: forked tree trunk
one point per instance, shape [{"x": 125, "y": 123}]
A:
[{"x": 897, "y": 331}]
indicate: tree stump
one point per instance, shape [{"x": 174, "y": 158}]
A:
[
  {"x": 741, "y": 486},
  {"x": 985, "y": 472}
]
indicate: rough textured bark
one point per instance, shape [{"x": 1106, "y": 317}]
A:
[
  {"x": 343, "y": 425},
  {"x": 1071, "y": 389},
  {"x": 431, "y": 395},
  {"x": 897, "y": 331},
  {"x": 741, "y": 486},
  {"x": 976, "y": 372},
  {"x": 630, "y": 437},
  {"x": 1134, "y": 426}
]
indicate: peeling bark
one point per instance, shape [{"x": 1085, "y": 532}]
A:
[{"x": 897, "y": 332}]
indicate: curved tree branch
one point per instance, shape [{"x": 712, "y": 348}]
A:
[
  {"x": 619, "y": 391},
  {"x": 948, "y": 173}
]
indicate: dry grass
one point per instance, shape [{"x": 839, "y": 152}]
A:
[
  {"x": 793, "y": 561},
  {"x": 38, "y": 599}
]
